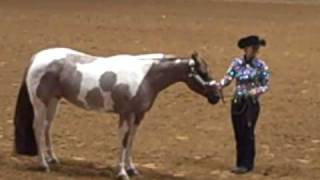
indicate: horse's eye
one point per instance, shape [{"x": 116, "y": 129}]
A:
[{"x": 204, "y": 75}]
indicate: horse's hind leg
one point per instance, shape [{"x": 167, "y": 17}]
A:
[
  {"x": 40, "y": 120},
  {"x": 52, "y": 107}
]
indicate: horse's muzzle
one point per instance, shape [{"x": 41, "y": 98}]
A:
[{"x": 213, "y": 98}]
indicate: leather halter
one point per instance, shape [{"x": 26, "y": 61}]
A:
[{"x": 193, "y": 74}]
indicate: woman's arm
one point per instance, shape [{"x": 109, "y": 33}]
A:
[
  {"x": 229, "y": 75},
  {"x": 263, "y": 79}
]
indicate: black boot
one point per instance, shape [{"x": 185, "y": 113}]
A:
[{"x": 240, "y": 170}]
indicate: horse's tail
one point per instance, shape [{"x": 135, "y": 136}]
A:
[{"x": 25, "y": 142}]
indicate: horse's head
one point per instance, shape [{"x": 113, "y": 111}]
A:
[{"x": 199, "y": 78}]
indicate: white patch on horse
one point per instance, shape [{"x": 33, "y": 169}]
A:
[
  {"x": 178, "y": 61},
  {"x": 192, "y": 63},
  {"x": 150, "y": 56},
  {"x": 41, "y": 60},
  {"x": 128, "y": 69}
]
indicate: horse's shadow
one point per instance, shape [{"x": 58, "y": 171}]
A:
[{"x": 72, "y": 168}]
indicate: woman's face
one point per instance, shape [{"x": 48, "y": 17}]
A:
[{"x": 251, "y": 51}]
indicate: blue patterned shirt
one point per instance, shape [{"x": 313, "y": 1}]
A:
[{"x": 249, "y": 76}]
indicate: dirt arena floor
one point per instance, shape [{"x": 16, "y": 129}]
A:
[{"x": 182, "y": 137}]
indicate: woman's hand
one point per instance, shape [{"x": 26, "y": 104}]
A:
[
  {"x": 217, "y": 87},
  {"x": 215, "y": 84},
  {"x": 254, "y": 92}
]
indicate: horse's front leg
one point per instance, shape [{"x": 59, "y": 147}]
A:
[
  {"x": 131, "y": 168},
  {"x": 125, "y": 131}
]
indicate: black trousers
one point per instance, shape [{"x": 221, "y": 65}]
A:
[{"x": 245, "y": 113}]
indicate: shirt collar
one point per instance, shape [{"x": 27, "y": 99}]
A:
[{"x": 249, "y": 62}]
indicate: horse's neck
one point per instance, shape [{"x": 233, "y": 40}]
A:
[{"x": 166, "y": 73}]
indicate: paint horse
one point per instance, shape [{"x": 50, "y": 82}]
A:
[{"x": 124, "y": 84}]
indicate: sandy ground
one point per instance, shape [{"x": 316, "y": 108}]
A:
[
  {"x": 182, "y": 137},
  {"x": 306, "y": 2}
]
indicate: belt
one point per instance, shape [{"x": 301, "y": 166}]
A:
[{"x": 240, "y": 99}]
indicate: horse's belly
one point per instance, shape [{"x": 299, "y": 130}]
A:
[
  {"x": 85, "y": 91},
  {"x": 96, "y": 99}
]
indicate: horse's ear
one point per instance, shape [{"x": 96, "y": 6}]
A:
[{"x": 195, "y": 55}]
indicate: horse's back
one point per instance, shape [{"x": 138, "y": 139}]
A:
[
  {"x": 54, "y": 53},
  {"x": 45, "y": 57}
]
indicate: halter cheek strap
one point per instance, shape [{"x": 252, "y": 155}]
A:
[
  {"x": 198, "y": 78},
  {"x": 191, "y": 65},
  {"x": 195, "y": 75}
]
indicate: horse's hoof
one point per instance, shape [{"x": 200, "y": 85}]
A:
[
  {"x": 53, "y": 161},
  {"x": 133, "y": 172},
  {"x": 123, "y": 177},
  {"x": 45, "y": 169}
]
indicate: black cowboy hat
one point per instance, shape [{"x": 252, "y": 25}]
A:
[{"x": 252, "y": 40}]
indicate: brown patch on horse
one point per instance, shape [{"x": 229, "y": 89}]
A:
[
  {"x": 70, "y": 80},
  {"x": 125, "y": 140},
  {"x": 49, "y": 82},
  {"x": 94, "y": 99},
  {"x": 153, "y": 83},
  {"x": 121, "y": 96},
  {"x": 107, "y": 81},
  {"x": 63, "y": 79}
]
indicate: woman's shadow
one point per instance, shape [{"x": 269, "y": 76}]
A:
[{"x": 77, "y": 169}]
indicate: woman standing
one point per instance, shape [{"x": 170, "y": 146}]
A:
[{"x": 252, "y": 77}]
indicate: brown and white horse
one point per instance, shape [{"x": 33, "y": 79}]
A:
[{"x": 122, "y": 84}]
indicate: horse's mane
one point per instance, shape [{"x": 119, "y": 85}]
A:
[
  {"x": 173, "y": 58},
  {"x": 159, "y": 57}
]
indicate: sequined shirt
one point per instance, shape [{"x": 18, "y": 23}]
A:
[{"x": 249, "y": 75}]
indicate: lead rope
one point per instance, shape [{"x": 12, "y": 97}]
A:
[
  {"x": 244, "y": 107},
  {"x": 220, "y": 91},
  {"x": 247, "y": 105}
]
